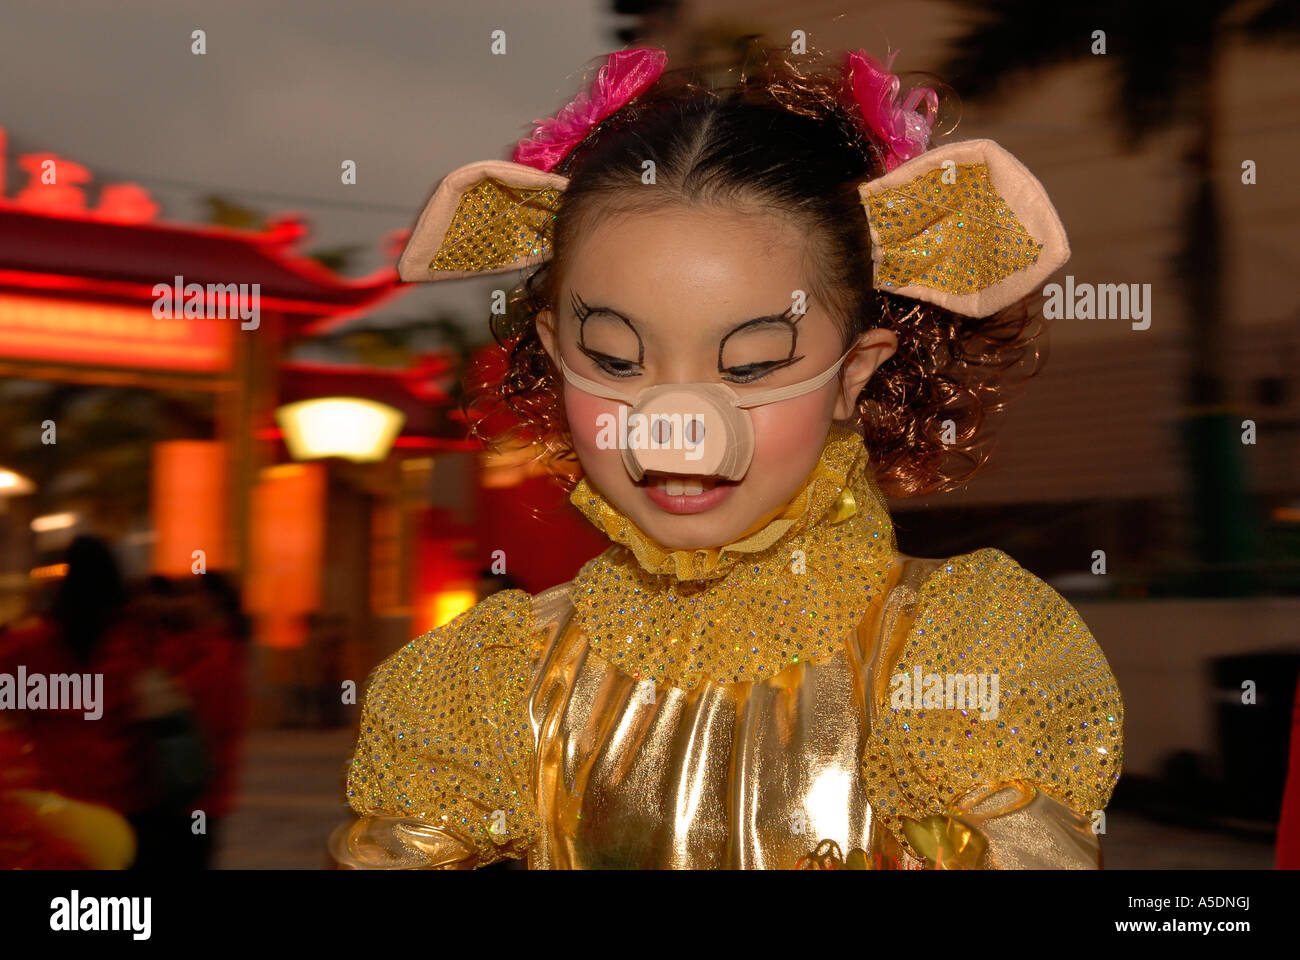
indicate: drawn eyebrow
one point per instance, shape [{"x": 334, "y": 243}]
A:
[
  {"x": 782, "y": 318},
  {"x": 582, "y": 311},
  {"x": 771, "y": 318}
]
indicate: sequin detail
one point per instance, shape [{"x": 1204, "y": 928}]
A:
[
  {"x": 496, "y": 224},
  {"x": 1060, "y": 716},
  {"x": 958, "y": 238},
  {"x": 444, "y": 734},
  {"x": 794, "y": 602}
]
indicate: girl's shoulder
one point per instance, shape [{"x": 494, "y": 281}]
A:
[
  {"x": 983, "y": 607},
  {"x": 444, "y": 734},
  {"x": 509, "y": 625},
  {"x": 984, "y": 580},
  {"x": 1048, "y": 708}
]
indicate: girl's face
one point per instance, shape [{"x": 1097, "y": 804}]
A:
[{"x": 690, "y": 295}]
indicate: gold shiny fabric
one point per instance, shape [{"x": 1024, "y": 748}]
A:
[
  {"x": 739, "y": 775},
  {"x": 1059, "y": 715},
  {"x": 948, "y": 231},
  {"x": 381, "y": 842},
  {"x": 496, "y": 224},
  {"x": 509, "y": 733},
  {"x": 1013, "y": 826},
  {"x": 444, "y": 737}
]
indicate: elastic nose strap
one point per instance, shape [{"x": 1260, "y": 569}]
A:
[
  {"x": 794, "y": 389},
  {"x": 591, "y": 386},
  {"x": 754, "y": 400}
]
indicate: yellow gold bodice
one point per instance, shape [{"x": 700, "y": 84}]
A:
[
  {"x": 740, "y": 708},
  {"x": 737, "y": 775}
]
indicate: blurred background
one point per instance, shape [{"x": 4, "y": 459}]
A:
[{"x": 170, "y": 517}]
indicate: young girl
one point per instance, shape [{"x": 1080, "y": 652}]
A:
[{"x": 755, "y": 310}]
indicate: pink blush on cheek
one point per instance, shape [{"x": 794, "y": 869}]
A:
[
  {"x": 788, "y": 439},
  {"x": 791, "y": 424},
  {"x": 586, "y": 415}
]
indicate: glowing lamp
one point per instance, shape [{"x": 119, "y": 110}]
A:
[
  {"x": 14, "y": 484},
  {"x": 349, "y": 427},
  {"x": 54, "y": 521}
]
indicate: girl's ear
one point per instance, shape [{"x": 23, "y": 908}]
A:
[
  {"x": 871, "y": 350},
  {"x": 546, "y": 332}
]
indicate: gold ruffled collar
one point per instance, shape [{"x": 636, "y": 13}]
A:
[{"x": 742, "y": 611}]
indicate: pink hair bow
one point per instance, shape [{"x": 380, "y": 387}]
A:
[
  {"x": 625, "y": 75},
  {"x": 904, "y": 130}
]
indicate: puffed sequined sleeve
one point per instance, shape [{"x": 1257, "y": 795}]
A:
[
  {"x": 445, "y": 750},
  {"x": 997, "y": 723}
]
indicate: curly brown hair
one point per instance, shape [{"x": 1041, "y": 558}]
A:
[{"x": 782, "y": 139}]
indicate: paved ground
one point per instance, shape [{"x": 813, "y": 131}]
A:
[{"x": 293, "y": 796}]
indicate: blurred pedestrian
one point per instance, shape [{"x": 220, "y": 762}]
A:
[{"x": 90, "y": 755}]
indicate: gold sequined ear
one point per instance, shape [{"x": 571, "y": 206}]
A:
[
  {"x": 486, "y": 217},
  {"x": 965, "y": 226}
]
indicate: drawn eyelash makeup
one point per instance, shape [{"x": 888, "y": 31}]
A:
[
  {"x": 749, "y": 372},
  {"x": 614, "y": 366}
]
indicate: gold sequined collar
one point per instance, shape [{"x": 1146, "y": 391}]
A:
[{"x": 789, "y": 593}]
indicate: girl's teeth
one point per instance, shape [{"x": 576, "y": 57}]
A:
[{"x": 677, "y": 487}]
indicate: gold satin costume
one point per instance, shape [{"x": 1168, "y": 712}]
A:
[{"x": 739, "y": 707}]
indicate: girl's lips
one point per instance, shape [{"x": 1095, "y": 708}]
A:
[{"x": 688, "y": 503}]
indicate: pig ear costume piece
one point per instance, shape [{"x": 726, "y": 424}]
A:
[
  {"x": 965, "y": 226},
  {"x": 495, "y": 215},
  {"x": 487, "y": 217}
]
